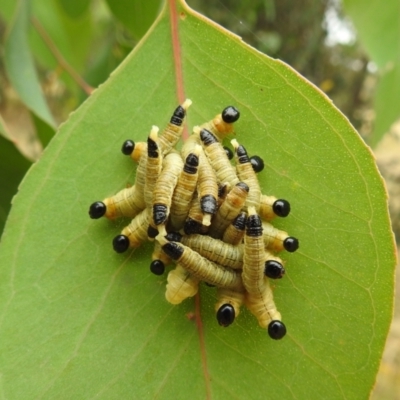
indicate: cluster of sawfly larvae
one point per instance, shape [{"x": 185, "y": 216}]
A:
[{"x": 205, "y": 215}]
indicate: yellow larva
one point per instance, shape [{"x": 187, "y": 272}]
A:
[
  {"x": 216, "y": 154},
  {"x": 165, "y": 185},
  {"x": 184, "y": 190},
  {"x": 126, "y": 203},
  {"x": 229, "y": 209},
  {"x": 228, "y": 305},
  {"x": 202, "y": 268},
  {"x": 222, "y": 124},
  {"x": 194, "y": 220},
  {"x": 270, "y": 207},
  {"x": 207, "y": 189},
  {"x": 247, "y": 174},
  {"x": 235, "y": 231},
  {"x": 262, "y": 306},
  {"x": 181, "y": 285},
  {"x": 173, "y": 131},
  {"x": 153, "y": 166},
  {"x": 277, "y": 240},
  {"x": 134, "y": 234},
  {"x": 215, "y": 250},
  {"x": 253, "y": 257}
]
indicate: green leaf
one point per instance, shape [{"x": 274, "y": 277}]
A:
[
  {"x": 80, "y": 321},
  {"x": 382, "y": 42},
  {"x": 75, "y": 8},
  {"x": 136, "y": 15},
  {"x": 13, "y": 167},
  {"x": 20, "y": 67}
]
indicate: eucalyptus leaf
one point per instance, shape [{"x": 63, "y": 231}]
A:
[{"x": 80, "y": 321}]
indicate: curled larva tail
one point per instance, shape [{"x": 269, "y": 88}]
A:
[{"x": 181, "y": 285}]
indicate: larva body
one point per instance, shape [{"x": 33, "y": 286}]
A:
[
  {"x": 207, "y": 189},
  {"x": 136, "y": 231},
  {"x": 254, "y": 255},
  {"x": 247, "y": 174},
  {"x": 215, "y": 250},
  {"x": 277, "y": 240},
  {"x": 270, "y": 207},
  {"x": 222, "y": 124},
  {"x": 194, "y": 221},
  {"x": 228, "y": 305},
  {"x": 184, "y": 190},
  {"x": 262, "y": 306},
  {"x": 229, "y": 209},
  {"x": 153, "y": 166},
  {"x": 202, "y": 268},
  {"x": 126, "y": 203},
  {"x": 234, "y": 233},
  {"x": 165, "y": 185},
  {"x": 218, "y": 159},
  {"x": 181, "y": 285},
  {"x": 173, "y": 131}
]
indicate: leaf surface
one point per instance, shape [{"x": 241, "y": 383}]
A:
[{"x": 81, "y": 321}]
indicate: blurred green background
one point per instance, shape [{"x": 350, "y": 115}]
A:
[{"x": 55, "y": 52}]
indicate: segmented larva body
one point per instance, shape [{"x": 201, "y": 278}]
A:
[
  {"x": 217, "y": 157},
  {"x": 202, "y": 268},
  {"x": 158, "y": 254},
  {"x": 254, "y": 255},
  {"x": 153, "y": 166},
  {"x": 194, "y": 221},
  {"x": 173, "y": 131},
  {"x": 229, "y": 209},
  {"x": 228, "y": 305},
  {"x": 277, "y": 240},
  {"x": 165, "y": 185},
  {"x": 247, "y": 174},
  {"x": 184, "y": 190},
  {"x": 234, "y": 233},
  {"x": 126, "y": 203},
  {"x": 134, "y": 150},
  {"x": 271, "y": 207},
  {"x": 136, "y": 231},
  {"x": 262, "y": 306},
  {"x": 181, "y": 285},
  {"x": 140, "y": 180},
  {"x": 222, "y": 124},
  {"x": 207, "y": 188},
  {"x": 215, "y": 250}
]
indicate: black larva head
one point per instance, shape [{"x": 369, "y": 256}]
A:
[
  {"x": 254, "y": 226},
  {"x": 244, "y": 186},
  {"x": 257, "y": 163},
  {"x": 178, "y": 115},
  {"x": 291, "y": 244},
  {"x": 157, "y": 267},
  {"x": 281, "y": 208},
  {"x": 229, "y": 152},
  {"x": 152, "y": 232},
  {"x": 97, "y": 210},
  {"x": 208, "y": 204},
  {"x": 121, "y": 243},
  {"x": 160, "y": 213},
  {"x": 230, "y": 114},
  {"x": 207, "y": 137},
  {"x": 192, "y": 226},
  {"x": 240, "y": 221},
  {"x": 173, "y": 250},
  {"x": 276, "y": 330},
  {"x": 225, "y": 315},
  {"x": 274, "y": 269},
  {"x": 127, "y": 147},
  {"x": 174, "y": 237}
]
